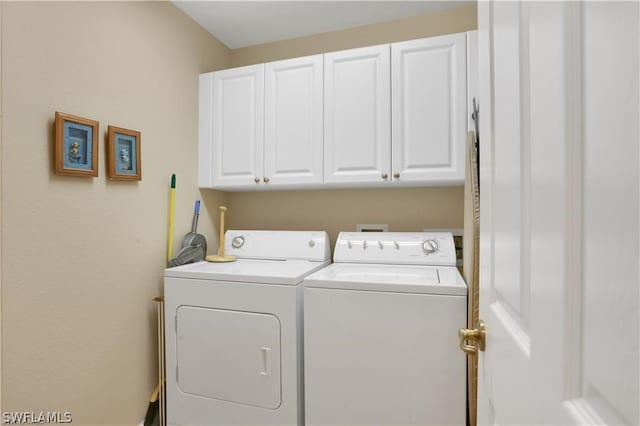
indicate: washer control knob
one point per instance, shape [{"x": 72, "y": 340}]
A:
[
  {"x": 430, "y": 246},
  {"x": 237, "y": 242},
  {"x": 312, "y": 243}
]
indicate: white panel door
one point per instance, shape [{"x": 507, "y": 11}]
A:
[
  {"x": 238, "y": 126},
  {"x": 293, "y": 121},
  {"x": 429, "y": 105},
  {"x": 559, "y": 225},
  {"x": 357, "y": 117}
]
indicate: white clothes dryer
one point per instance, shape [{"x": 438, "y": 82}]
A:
[
  {"x": 381, "y": 333},
  {"x": 233, "y": 331}
]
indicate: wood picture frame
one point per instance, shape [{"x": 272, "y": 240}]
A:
[
  {"x": 124, "y": 161},
  {"x": 75, "y": 145}
]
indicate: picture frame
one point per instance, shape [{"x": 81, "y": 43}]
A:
[
  {"x": 75, "y": 145},
  {"x": 124, "y": 161}
]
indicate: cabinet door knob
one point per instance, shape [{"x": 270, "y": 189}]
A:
[
  {"x": 257, "y": 180},
  {"x": 266, "y": 180},
  {"x": 396, "y": 175},
  {"x": 384, "y": 176}
]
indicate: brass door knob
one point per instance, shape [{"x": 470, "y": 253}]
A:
[
  {"x": 384, "y": 176},
  {"x": 396, "y": 175},
  {"x": 257, "y": 180},
  {"x": 266, "y": 180},
  {"x": 474, "y": 336}
]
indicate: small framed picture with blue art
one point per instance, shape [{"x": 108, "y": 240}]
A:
[
  {"x": 123, "y": 154},
  {"x": 76, "y": 145}
]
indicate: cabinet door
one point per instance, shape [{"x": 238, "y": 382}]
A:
[
  {"x": 237, "y": 134},
  {"x": 293, "y": 121},
  {"x": 357, "y": 126},
  {"x": 429, "y": 109}
]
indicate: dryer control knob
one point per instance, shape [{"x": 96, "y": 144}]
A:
[
  {"x": 430, "y": 246},
  {"x": 237, "y": 242}
]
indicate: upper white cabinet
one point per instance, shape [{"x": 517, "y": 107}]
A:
[
  {"x": 231, "y": 127},
  {"x": 293, "y": 121},
  {"x": 357, "y": 119},
  {"x": 429, "y": 109},
  {"x": 261, "y": 125},
  {"x": 394, "y": 114}
]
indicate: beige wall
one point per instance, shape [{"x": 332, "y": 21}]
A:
[
  {"x": 403, "y": 209},
  {"x": 428, "y": 25},
  {"x": 83, "y": 257},
  {"x": 340, "y": 210}
]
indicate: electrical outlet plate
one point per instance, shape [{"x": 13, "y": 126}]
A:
[{"x": 372, "y": 227}]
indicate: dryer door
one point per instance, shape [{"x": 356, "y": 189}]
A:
[{"x": 229, "y": 355}]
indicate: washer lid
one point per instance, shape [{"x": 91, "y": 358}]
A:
[
  {"x": 289, "y": 272},
  {"x": 389, "y": 278}
]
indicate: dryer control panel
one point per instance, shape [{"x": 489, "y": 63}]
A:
[
  {"x": 278, "y": 245},
  {"x": 398, "y": 248}
]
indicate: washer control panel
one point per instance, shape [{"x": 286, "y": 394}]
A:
[{"x": 411, "y": 248}]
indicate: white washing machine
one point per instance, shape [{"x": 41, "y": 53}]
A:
[
  {"x": 381, "y": 333},
  {"x": 234, "y": 331}
]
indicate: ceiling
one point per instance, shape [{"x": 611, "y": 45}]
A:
[{"x": 247, "y": 23}]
